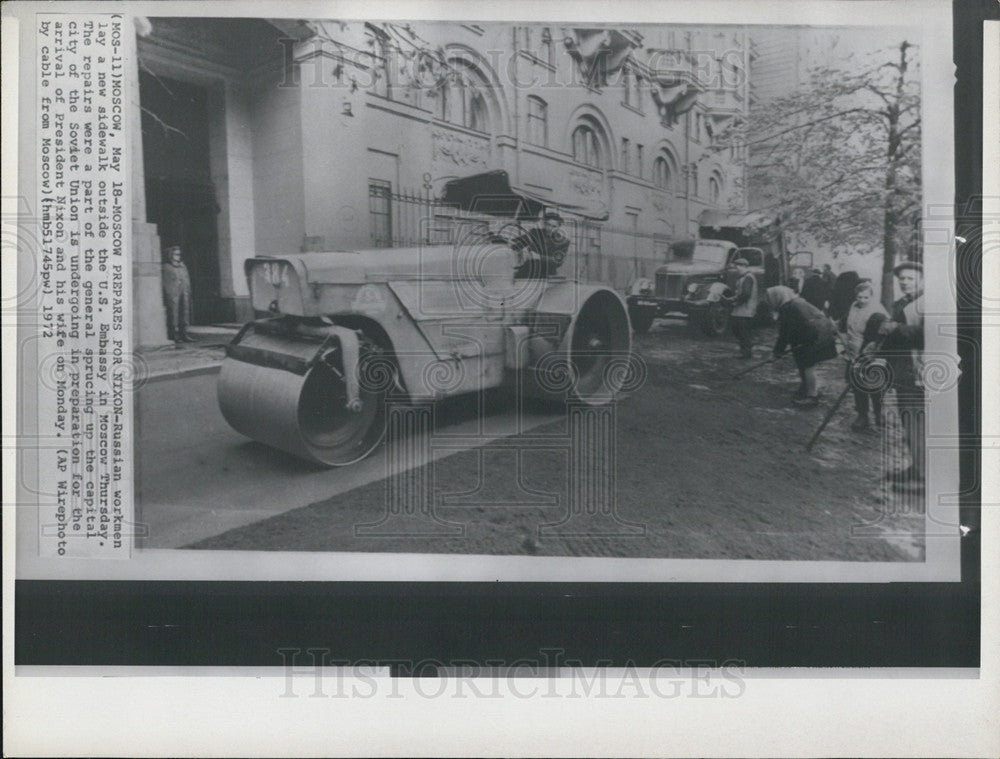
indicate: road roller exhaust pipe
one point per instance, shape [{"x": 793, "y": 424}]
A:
[{"x": 349, "y": 353}]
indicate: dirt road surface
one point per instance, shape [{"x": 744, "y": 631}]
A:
[{"x": 705, "y": 467}]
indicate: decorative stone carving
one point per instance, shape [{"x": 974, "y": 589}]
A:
[
  {"x": 660, "y": 200},
  {"x": 586, "y": 183},
  {"x": 460, "y": 149}
]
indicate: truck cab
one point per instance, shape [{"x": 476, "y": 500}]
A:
[{"x": 699, "y": 278}]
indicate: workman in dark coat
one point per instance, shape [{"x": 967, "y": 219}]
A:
[
  {"x": 828, "y": 276},
  {"x": 811, "y": 335},
  {"x": 816, "y": 290},
  {"x": 842, "y": 295},
  {"x": 745, "y": 302},
  {"x": 549, "y": 245},
  {"x": 176, "y": 295},
  {"x": 902, "y": 345}
]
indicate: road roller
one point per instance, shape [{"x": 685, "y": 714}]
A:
[{"x": 338, "y": 335}]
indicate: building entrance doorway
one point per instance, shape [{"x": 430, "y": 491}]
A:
[{"x": 180, "y": 196}]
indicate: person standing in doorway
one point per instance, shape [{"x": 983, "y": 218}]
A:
[
  {"x": 177, "y": 295},
  {"x": 745, "y": 303}
]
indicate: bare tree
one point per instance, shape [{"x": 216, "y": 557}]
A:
[{"x": 840, "y": 156}]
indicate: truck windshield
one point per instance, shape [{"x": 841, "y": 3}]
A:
[{"x": 711, "y": 252}]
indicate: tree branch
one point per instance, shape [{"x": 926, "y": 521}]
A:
[{"x": 162, "y": 124}]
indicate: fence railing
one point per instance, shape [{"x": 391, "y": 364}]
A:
[{"x": 599, "y": 252}]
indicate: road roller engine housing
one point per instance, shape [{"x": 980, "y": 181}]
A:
[{"x": 342, "y": 333}]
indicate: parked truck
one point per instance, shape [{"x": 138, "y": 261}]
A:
[{"x": 699, "y": 277}]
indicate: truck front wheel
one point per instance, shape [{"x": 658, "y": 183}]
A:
[
  {"x": 642, "y": 319},
  {"x": 714, "y": 320}
]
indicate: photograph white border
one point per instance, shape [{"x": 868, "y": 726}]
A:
[{"x": 942, "y": 552}]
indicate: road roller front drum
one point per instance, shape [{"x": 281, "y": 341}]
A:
[{"x": 300, "y": 393}]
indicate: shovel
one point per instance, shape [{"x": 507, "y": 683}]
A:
[{"x": 840, "y": 399}]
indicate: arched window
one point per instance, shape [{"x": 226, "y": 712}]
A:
[
  {"x": 461, "y": 99},
  {"x": 586, "y": 147},
  {"x": 693, "y": 178},
  {"x": 714, "y": 189},
  {"x": 662, "y": 176},
  {"x": 479, "y": 116},
  {"x": 538, "y": 128}
]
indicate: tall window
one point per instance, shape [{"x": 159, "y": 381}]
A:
[
  {"x": 526, "y": 37},
  {"x": 586, "y": 148},
  {"x": 633, "y": 223},
  {"x": 380, "y": 212},
  {"x": 548, "y": 50},
  {"x": 461, "y": 101},
  {"x": 478, "y": 116},
  {"x": 638, "y": 160},
  {"x": 538, "y": 129},
  {"x": 631, "y": 87},
  {"x": 693, "y": 178},
  {"x": 714, "y": 189},
  {"x": 625, "y": 156},
  {"x": 661, "y": 174},
  {"x": 383, "y": 67}
]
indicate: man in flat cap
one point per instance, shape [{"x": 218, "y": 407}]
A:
[
  {"x": 745, "y": 303},
  {"x": 176, "y": 295},
  {"x": 548, "y": 243},
  {"x": 902, "y": 345}
]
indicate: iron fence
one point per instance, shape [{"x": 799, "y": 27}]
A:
[{"x": 599, "y": 252}]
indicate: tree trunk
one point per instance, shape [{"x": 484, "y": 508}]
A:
[
  {"x": 888, "y": 257},
  {"x": 890, "y": 219}
]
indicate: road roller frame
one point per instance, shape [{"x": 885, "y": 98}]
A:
[{"x": 341, "y": 333}]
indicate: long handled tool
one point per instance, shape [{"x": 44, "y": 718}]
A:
[
  {"x": 840, "y": 399},
  {"x": 828, "y": 417},
  {"x": 758, "y": 365}
]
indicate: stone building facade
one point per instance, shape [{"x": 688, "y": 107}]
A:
[{"x": 275, "y": 136}]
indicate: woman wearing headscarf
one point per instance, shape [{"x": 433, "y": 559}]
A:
[{"x": 811, "y": 335}]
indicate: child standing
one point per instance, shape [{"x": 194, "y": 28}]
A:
[{"x": 858, "y": 334}]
